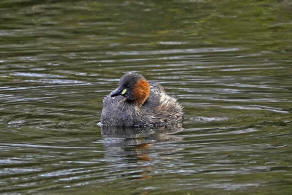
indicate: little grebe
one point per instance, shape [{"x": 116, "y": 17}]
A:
[{"x": 137, "y": 102}]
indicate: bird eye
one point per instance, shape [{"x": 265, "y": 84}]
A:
[{"x": 124, "y": 91}]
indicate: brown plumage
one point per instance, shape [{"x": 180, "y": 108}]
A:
[{"x": 141, "y": 91}]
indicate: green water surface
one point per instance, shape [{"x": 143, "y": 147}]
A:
[{"x": 229, "y": 63}]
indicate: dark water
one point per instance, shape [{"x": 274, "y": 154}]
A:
[{"x": 228, "y": 63}]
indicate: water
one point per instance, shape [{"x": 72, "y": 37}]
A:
[{"x": 227, "y": 62}]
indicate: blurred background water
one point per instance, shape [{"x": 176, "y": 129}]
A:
[{"x": 227, "y": 62}]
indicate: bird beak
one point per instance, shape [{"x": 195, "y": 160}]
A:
[{"x": 116, "y": 92}]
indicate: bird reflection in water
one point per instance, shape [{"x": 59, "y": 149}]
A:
[{"x": 129, "y": 149}]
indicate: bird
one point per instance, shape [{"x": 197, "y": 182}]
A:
[{"x": 137, "y": 102}]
